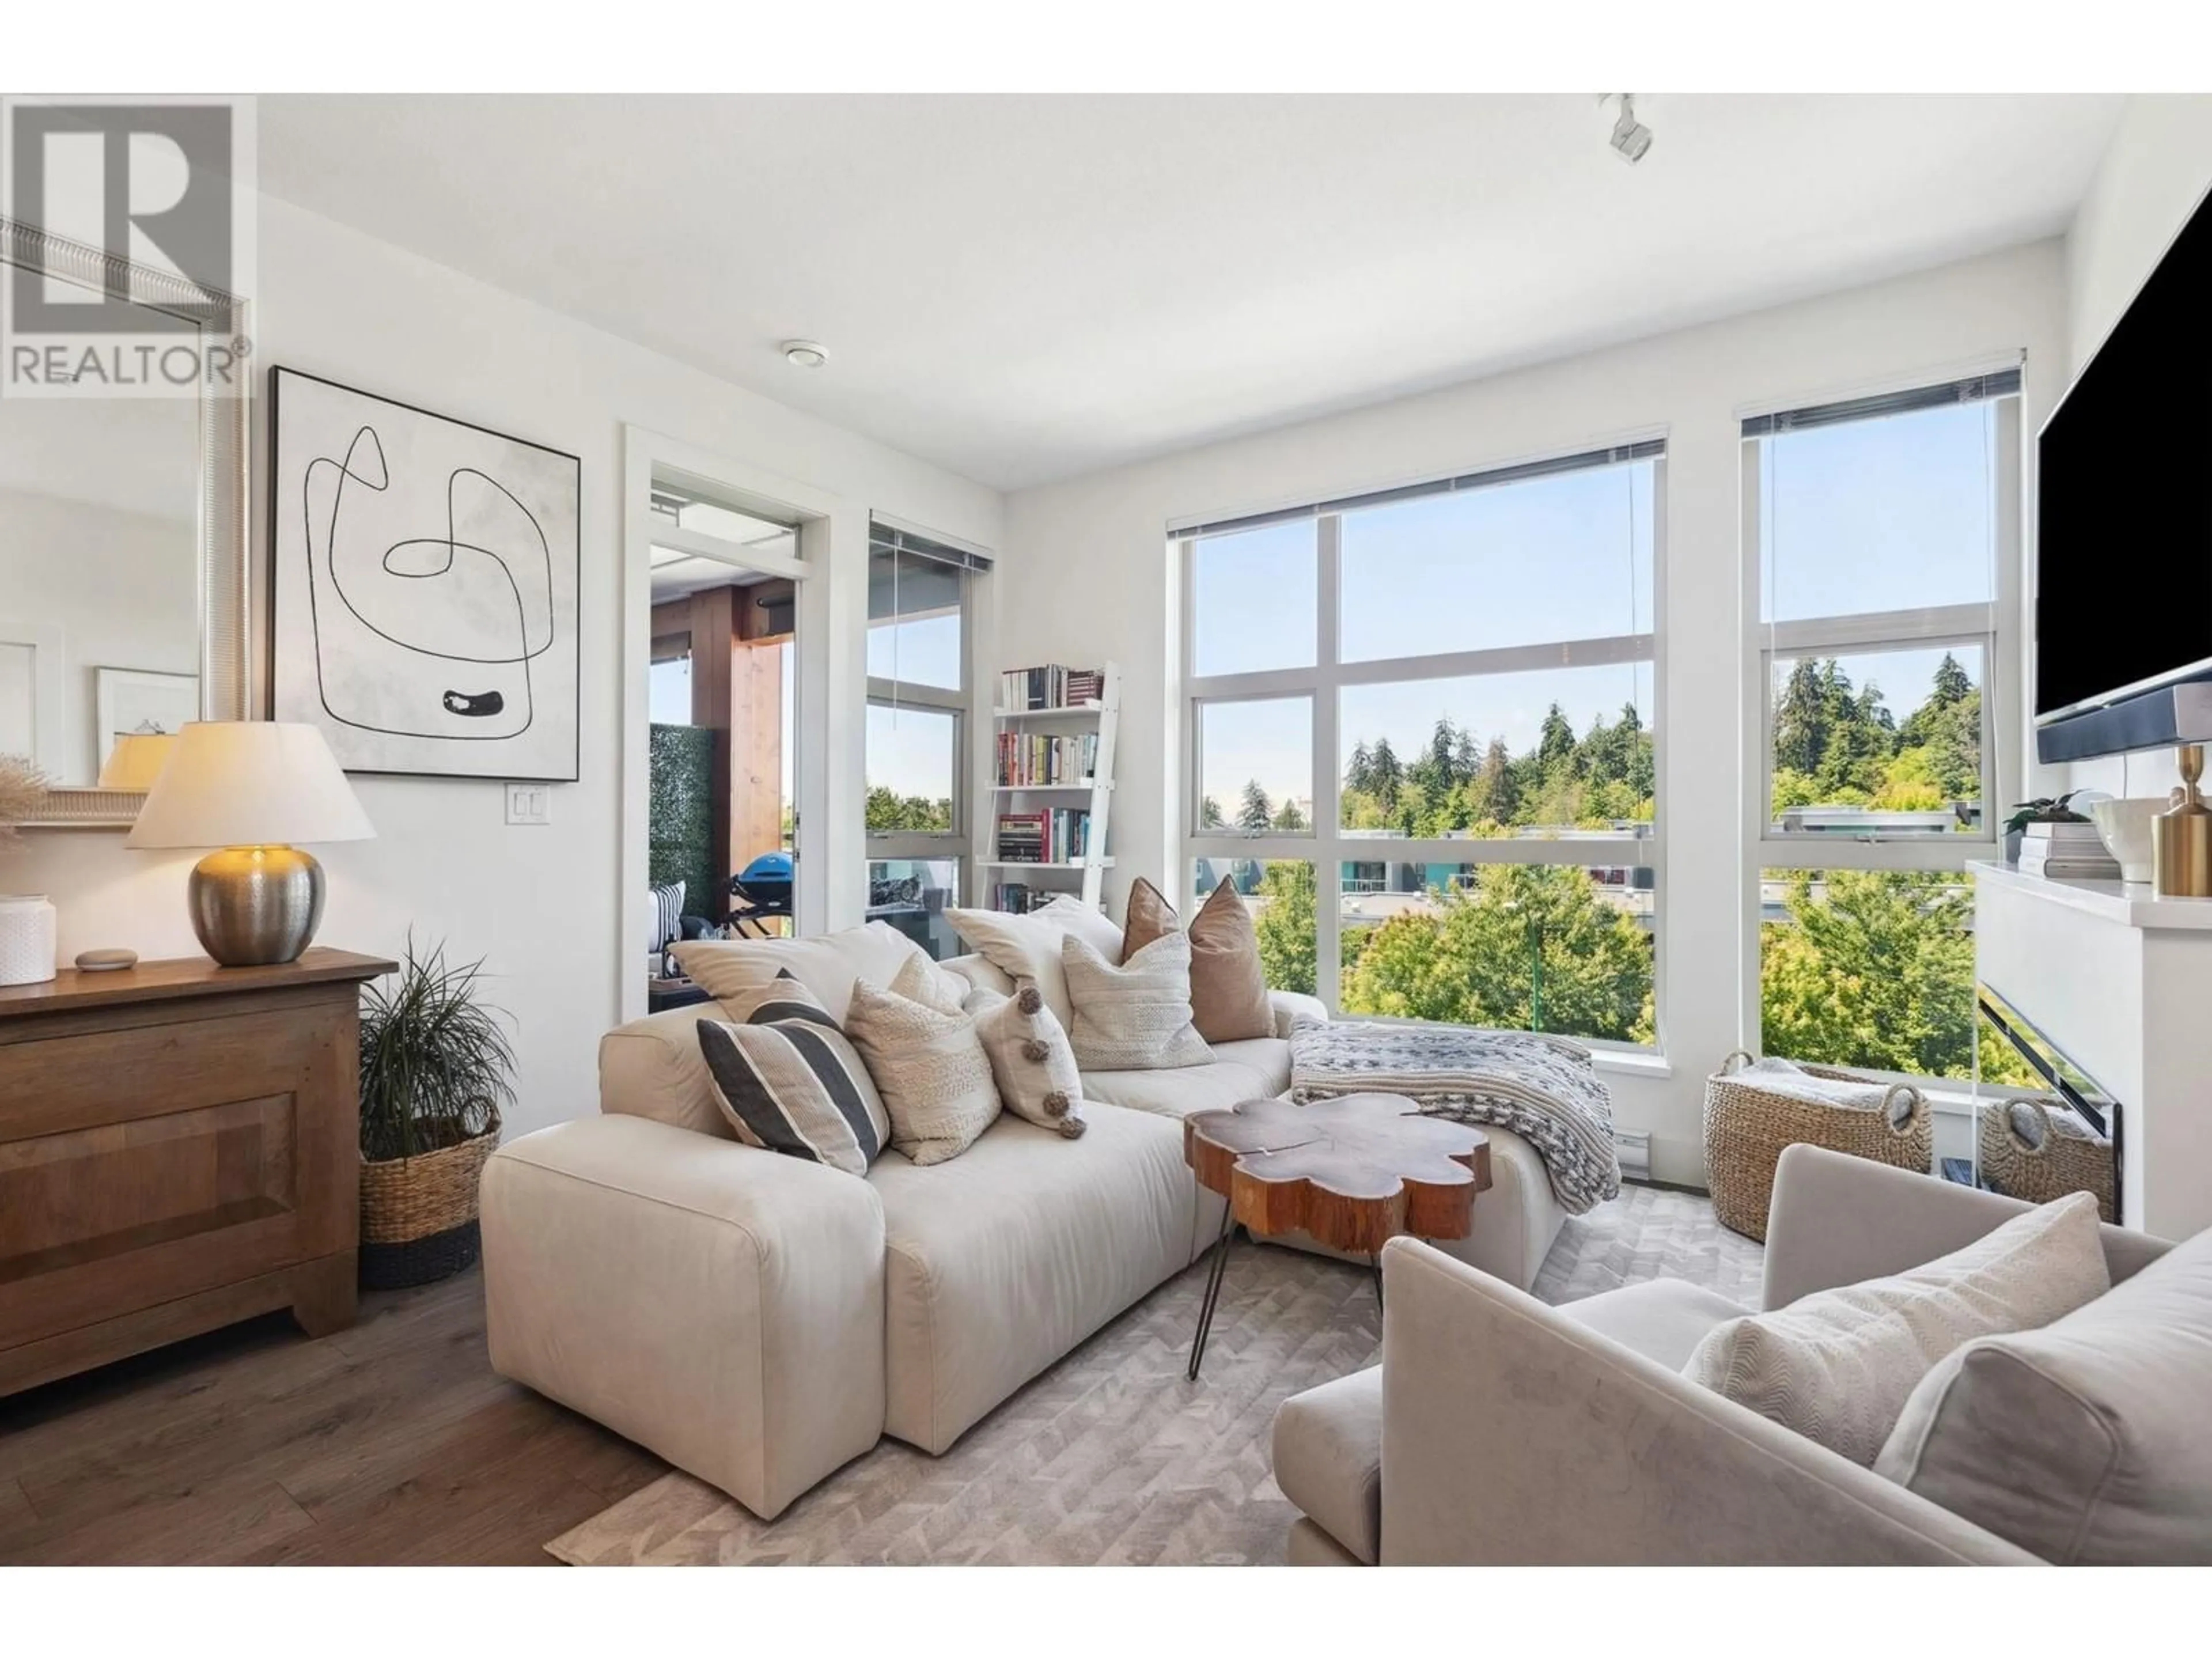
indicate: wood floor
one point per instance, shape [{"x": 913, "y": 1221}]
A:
[{"x": 389, "y": 1443}]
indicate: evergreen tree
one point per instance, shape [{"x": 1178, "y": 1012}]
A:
[
  {"x": 1801, "y": 720},
  {"x": 1951, "y": 682},
  {"x": 1257, "y": 812},
  {"x": 1443, "y": 749},
  {"x": 1384, "y": 774},
  {"x": 1495, "y": 796},
  {"x": 1359, "y": 771},
  {"x": 1466, "y": 758},
  {"x": 1557, "y": 745},
  {"x": 1290, "y": 815},
  {"x": 1209, "y": 813}
]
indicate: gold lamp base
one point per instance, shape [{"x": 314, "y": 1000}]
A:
[
  {"x": 254, "y": 906},
  {"x": 2181, "y": 836}
]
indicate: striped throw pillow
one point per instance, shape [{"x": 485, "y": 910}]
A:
[
  {"x": 788, "y": 1080},
  {"x": 667, "y": 914}
]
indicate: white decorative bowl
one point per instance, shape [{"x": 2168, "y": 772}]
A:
[{"x": 2125, "y": 826}]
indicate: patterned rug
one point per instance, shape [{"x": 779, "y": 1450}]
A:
[{"x": 1112, "y": 1457}]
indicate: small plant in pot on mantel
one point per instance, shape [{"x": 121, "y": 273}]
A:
[
  {"x": 435, "y": 1068},
  {"x": 2044, "y": 809}
]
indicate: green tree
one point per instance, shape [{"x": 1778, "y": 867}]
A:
[
  {"x": 1801, "y": 720},
  {"x": 1359, "y": 771},
  {"x": 1209, "y": 813},
  {"x": 1385, "y": 774},
  {"x": 1497, "y": 797},
  {"x": 1877, "y": 970},
  {"x": 889, "y": 812},
  {"x": 1289, "y": 816},
  {"x": 1285, "y": 925},
  {"x": 1555, "y": 745},
  {"x": 1258, "y": 811}
]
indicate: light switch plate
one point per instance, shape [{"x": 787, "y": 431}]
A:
[{"x": 529, "y": 803}]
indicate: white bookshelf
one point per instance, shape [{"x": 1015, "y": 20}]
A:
[{"x": 1085, "y": 877}]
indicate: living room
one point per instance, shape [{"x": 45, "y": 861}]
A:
[{"x": 1264, "y": 791}]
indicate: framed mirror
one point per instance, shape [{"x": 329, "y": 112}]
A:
[{"x": 124, "y": 575}]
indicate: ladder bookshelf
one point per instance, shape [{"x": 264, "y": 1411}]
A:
[{"x": 1015, "y": 790}]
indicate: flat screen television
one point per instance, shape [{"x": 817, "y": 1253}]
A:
[{"x": 2123, "y": 525}]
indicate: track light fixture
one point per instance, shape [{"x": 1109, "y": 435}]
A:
[{"x": 1631, "y": 137}]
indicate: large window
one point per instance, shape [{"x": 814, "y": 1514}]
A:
[
  {"x": 1422, "y": 731},
  {"x": 920, "y": 647},
  {"x": 1883, "y": 535}
]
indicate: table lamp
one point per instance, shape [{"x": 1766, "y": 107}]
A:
[
  {"x": 252, "y": 789},
  {"x": 135, "y": 761}
]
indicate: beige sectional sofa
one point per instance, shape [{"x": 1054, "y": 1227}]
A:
[{"x": 759, "y": 1320}]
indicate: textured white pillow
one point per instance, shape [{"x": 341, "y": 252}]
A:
[
  {"x": 1839, "y": 1365},
  {"x": 919, "y": 980},
  {"x": 1026, "y": 947},
  {"x": 1135, "y": 1018},
  {"x": 1031, "y": 1061},
  {"x": 929, "y": 1067}
]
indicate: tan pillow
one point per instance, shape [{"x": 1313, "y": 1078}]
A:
[
  {"x": 825, "y": 964},
  {"x": 919, "y": 980},
  {"x": 1228, "y": 987},
  {"x": 1839, "y": 1365},
  {"x": 1032, "y": 1061},
  {"x": 929, "y": 1067},
  {"x": 1135, "y": 1018},
  {"x": 1026, "y": 947}
]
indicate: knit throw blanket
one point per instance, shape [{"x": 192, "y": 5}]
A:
[{"x": 1544, "y": 1089}]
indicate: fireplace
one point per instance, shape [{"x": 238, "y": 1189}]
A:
[{"x": 2044, "y": 1127}]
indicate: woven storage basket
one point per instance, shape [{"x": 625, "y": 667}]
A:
[
  {"x": 2025, "y": 1149},
  {"x": 418, "y": 1215},
  {"x": 1748, "y": 1123}
]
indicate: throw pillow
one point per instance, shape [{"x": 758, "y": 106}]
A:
[
  {"x": 787, "y": 1079},
  {"x": 1135, "y": 1018},
  {"x": 667, "y": 914},
  {"x": 825, "y": 964},
  {"x": 1026, "y": 947},
  {"x": 2082, "y": 1442},
  {"x": 919, "y": 980},
  {"x": 1032, "y": 1061},
  {"x": 930, "y": 1068},
  {"x": 1228, "y": 987},
  {"x": 1839, "y": 1365}
]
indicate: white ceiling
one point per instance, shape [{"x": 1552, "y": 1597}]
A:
[{"x": 1025, "y": 289}]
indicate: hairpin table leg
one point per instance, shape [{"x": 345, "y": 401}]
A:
[{"x": 1213, "y": 1288}]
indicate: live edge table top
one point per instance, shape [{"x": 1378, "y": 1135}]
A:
[{"x": 1352, "y": 1173}]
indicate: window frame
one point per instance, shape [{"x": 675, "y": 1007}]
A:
[
  {"x": 1327, "y": 845},
  {"x": 1993, "y": 628},
  {"x": 954, "y": 701}
]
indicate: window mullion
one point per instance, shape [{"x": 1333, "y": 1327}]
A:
[{"x": 1327, "y": 775}]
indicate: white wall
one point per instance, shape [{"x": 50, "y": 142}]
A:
[
  {"x": 539, "y": 904},
  {"x": 1088, "y": 572},
  {"x": 122, "y": 588},
  {"x": 2156, "y": 171}
]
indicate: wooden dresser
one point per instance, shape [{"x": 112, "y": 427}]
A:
[{"x": 179, "y": 1150}]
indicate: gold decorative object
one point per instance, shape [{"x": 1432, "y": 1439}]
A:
[
  {"x": 251, "y": 788},
  {"x": 2181, "y": 836}
]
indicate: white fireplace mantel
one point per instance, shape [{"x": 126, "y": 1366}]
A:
[{"x": 2122, "y": 981}]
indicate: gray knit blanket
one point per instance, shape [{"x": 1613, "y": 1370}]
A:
[{"x": 1544, "y": 1089}]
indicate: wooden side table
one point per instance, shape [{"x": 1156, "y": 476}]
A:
[
  {"x": 179, "y": 1149},
  {"x": 1352, "y": 1173}
]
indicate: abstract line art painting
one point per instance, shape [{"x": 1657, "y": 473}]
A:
[{"x": 425, "y": 586}]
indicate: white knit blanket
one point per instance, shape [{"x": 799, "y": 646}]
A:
[{"x": 1544, "y": 1089}]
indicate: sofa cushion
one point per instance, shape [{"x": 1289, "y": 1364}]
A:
[
  {"x": 2082, "y": 1442},
  {"x": 825, "y": 964},
  {"x": 931, "y": 1069},
  {"x": 999, "y": 1262},
  {"x": 1031, "y": 1062},
  {"x": 1838, "y": 1366},
  {"x": 1134, "y": 1016},
  {"x": 1663, "y": 1319},
  {"x": 789, "y": 1081},
  {"x": 1228, "y": 989},
  {"x": 1181, "y": 1090},
  {"x": 1025, "y": 946},
  {"x": 652, "y": 1067},
  {"x": 1328, "y": 1459}
]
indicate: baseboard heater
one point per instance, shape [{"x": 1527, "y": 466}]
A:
[{"x": 1633, "y": 1147}]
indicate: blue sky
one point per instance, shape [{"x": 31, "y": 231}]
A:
[{"x": 1871, "y": 515}]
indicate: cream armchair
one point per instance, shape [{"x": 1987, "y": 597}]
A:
[{"x": 1500, "y": 1430}]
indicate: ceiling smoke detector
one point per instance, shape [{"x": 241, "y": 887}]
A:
[
  {"x": 805, "y": 353},
  {"x": 1631, "y": 137}
]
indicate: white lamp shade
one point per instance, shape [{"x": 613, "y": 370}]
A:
[
  {"x": 135, "y": 759},
  {"x": 249, "y": 783}
]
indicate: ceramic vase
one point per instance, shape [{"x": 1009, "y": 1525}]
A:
[{"x": 27, "y": 939}]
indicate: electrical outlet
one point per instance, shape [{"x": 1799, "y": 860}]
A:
[{"x": 529, "y": 803}]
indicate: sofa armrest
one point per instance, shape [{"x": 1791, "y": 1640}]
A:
[
  {"x": 1512, "y": 1435},
  {"x": 1290, "y": 1006},
  {"x": 1835, "y": 1220},
  {"x": 720, "y": 1304}
]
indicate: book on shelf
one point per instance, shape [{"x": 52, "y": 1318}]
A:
[
  {"x": 1032, "y": 758},
  {"x": 1012, "y": 896},
  {"x": 2067, "y": 864},
  {"x": 1058, "y": 835},
  {"x": 1050, "y": 686},
  {"x": 2069, "y": 834}
]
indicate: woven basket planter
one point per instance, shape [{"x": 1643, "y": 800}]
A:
[
  {"x": 1748, "y": 1123},
  {"x": 418, "y": 1215},
  {"x": 2027, "y": 1150}
]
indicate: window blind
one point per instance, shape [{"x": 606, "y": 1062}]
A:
[{"x": 1974, "y": 389}]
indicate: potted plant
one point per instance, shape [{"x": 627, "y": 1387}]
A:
[
  {"x": 435, "y": 1068},
  {"x": 2044, "y": 809}
]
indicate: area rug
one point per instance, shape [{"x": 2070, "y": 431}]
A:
[{"x": 1112, "y": 1456}]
